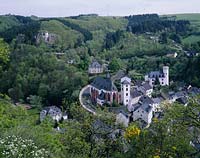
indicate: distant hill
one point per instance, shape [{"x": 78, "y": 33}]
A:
[{"x": 194, "y": 19}]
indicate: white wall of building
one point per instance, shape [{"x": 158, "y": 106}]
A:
[
  {"x": 166, "y": 74},
  {"x": 141, "y": 114},
  {"x": 95, "y": 70},
  {"x": 125, "y": 91},
  {"x": 123, "y": 120},
  {"x": 164, "y": 81}
]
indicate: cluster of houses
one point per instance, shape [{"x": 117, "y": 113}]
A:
[
  {"x": 137, "y": 96},
  {"x": 54, "y": 113}
]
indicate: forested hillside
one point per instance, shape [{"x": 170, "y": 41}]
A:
[{"x": 44, "y": 62}]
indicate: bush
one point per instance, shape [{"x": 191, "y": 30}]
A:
[{"x": 13, "y": 146}]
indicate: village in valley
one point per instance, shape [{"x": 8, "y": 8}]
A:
[
  {"x": 129, "y": 100},
  {"x": 133, "y": 100},
  {"x": 95, "y": 86}
]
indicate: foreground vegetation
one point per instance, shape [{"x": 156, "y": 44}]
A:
[{"x": 82, "y": 136}]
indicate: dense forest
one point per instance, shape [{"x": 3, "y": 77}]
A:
[
  {"x": 40, "y": 71},
  {"x": 153, "y": 23}
]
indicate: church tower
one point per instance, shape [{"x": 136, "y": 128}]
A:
[
  {"x": 166, "y": 74},
  {"x": 125, "y": 90}
]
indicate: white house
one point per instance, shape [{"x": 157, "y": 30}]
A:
[
  {"x": 161, "y": 76},
  {"x": 157, "y": 104},
  {"x": 54, "y": 112},
  {"x": 172, "y": 54},
  {"x": 95, "y": 68},
  {"x": 143, "y": 112},
  {"x": 146, "y": 89},
  {"x": 135, "y": 96},
  {"x": 122, "y": 118}
]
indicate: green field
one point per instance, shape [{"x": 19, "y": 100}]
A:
[
  {"x": 194, "y": 19},
  {"x": 191, "y": 39}
]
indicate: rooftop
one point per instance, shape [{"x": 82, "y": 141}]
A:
[
  {"x": 154, "y": 74},
  {"x": 104, "y": 83},
  {"x": 134, "y": 93},
  {"x": 146, "y": 100},
  {"x": 146, "y": 86},
  {"x": 145, "y": 107},
  {"x": 125, "y": 80},
  {"x": 95, "y": 64}
]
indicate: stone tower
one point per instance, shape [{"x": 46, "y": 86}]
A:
[
  {"x": 166, "y": 74},
  {"x": 125, "y": 90}
]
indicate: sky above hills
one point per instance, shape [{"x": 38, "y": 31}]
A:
[{"x": 49, "y": 8}]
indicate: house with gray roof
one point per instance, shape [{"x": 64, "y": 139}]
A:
[
  {"x": 135, "y": 96},
  {"x": 95, "y": 68},
  {"x": 182, "y": 100},
  {"x": 144, "y": 112},
  {"x": 146, "y": 89},
  {"x": 161, "y": 76},
  {"x": 156, "y": 105},
  {"x": 54, "y": 112},
  {"x": 122, "y": 118}
]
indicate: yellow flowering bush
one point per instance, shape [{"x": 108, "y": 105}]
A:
[
  {"x": 174, "y": 148},
  {"x": 155, "y": 120},
  {"x": 132, "y": 131}
]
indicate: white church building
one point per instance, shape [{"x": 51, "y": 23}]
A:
[{"x": 161, "y": 76}]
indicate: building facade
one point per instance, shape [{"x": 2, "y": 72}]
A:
[
  {"x": 158, "y": 76},
  {"x": 125, "y": 90},
  {"x": 95, "y": 68}
]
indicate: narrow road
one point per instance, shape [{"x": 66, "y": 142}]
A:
[{"x": 81, "y": 101}]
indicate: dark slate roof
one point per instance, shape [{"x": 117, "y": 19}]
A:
[
  {"x": 134, "y": 93},
  {"x": 147, "y": 86},
  {"x": 194, "y": 90},
  {"x": 145, "y": 107},
  {"x": 125, "y": 82},
  {"x": 95, "y": 64},
  {"x": 53, "y": 109},
  {"x": 182, "y": 100},
  {"x": 50, "y": 110},
  {"x": 103, "y": 83},
  {"x": 191, "y": 53},
  {"x": 137, "y": 106},
  {"x": 146, "y": 100},
  {"x": 124, "y": 113},
  {"x": 155, "y": 74},
  {"x": 138, "y": 83},
  {"x": 181, "y": 94}
]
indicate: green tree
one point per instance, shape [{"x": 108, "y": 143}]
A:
[
  {"x": 114, "y": 65},
  {"x": 35, "y": 101},
  {"x": 4, "y": 54}
]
